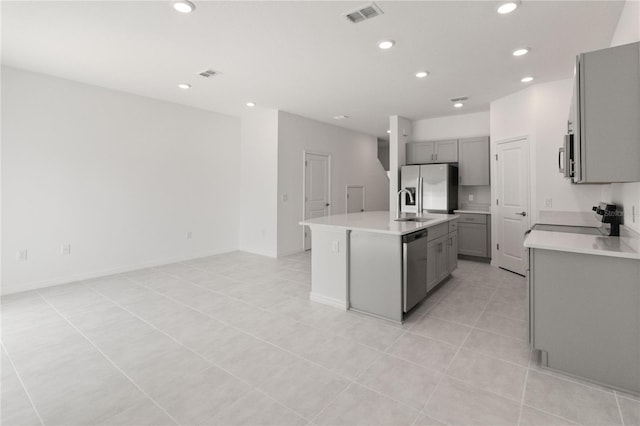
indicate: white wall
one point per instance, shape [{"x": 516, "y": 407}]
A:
[
  {"x": 454, "y": 126},
  {"x": 256, "y": 180},
  {"x": 354, "y": 161},
  {"x": 628, "y": 194},
  {"x": 540, "y": 112},
  {"x": 121, "y": 178},
  {"x": 400, "y": 134}
]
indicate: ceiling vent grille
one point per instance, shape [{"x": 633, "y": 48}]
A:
[
  {"x": 208, "y": 73},
  {"x": 363, "y": 13},
  {"x": 459, "y": 99}
]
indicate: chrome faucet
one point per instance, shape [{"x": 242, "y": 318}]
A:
[{"x": 399, "y": 199}]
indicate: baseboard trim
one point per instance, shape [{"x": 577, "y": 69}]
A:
[
  {"x": 36, "y": 285},
  {"x": 336, "y": 303},
  {"x": 290, "y": 252}
]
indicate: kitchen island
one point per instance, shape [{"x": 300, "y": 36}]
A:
[{"x": 360, "y": 261}]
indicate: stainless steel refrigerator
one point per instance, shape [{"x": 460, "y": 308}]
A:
[{"x": 437, "y": 184}]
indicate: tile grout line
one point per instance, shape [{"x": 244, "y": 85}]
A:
[
  {"x": 314, "y": 418},
  {"x": 24, "y": 387},
  {"x": 209, "y": 362},
  {"x": 227, "y": 324},
  {"x": 619, "y": 408},
  {"x": 524, "y": 389},
  {"x": 352, "y": 381},
  {"x": 570, "y": 379},
  {"x": 109, "y": 360},
  {"x": 445, "y": 373}
]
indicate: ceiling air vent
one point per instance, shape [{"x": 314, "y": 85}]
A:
[
  {"x": 208, "y": 73},
  {"x": 459, "y": 99},
  {"x": 363, "y": 13}
]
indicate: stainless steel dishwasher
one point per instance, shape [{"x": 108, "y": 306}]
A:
[{"x": 414, "y": 268}]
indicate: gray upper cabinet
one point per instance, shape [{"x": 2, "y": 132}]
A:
[
  {"x": 605, "y": 115},
  {"x": 420, "y": 152},
  {"x": 473, "y": 161},
  {"x": 444, "y": 151}
]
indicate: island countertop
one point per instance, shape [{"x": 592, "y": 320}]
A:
[{"x": 378, "y": 221}]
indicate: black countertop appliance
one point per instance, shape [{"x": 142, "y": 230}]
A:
[{"x": 611, "y": 214}]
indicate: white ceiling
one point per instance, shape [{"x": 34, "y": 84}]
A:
[{"x": 305, "y": 57}]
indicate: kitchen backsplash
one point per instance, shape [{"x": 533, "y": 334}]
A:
[{"x": 481, "y": 196}]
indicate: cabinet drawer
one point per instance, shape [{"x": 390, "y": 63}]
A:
[
  {"x": 472, "y": 218},
  {"x": 438, "y": 231},
  {"x": 453, "y": 225}
]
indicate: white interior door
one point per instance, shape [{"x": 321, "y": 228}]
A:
[
  {"x": 316, "y": 190},
  {"x": 512, "y": 209},
  {"x": 355, "y": 198}
]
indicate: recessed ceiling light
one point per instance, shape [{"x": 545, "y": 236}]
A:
[
  {"x": 526, "y": 79},
  {"x": 508, "y": 7},
  {"x": 340, "y": 117},
  {"x": 388, "y": 131},
  {"x": 386, "y": 44},
  {"x": 251, "y": 104},
  {"x": 520, "y": 52},
  {"x": 184, "y": 86},
  {"x": 458, "y": 105},
  {"x": 183, "y": 6},
  {"x": 422, "y": 74}
]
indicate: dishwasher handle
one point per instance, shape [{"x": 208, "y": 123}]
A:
[{"x": 409, "y": 238}]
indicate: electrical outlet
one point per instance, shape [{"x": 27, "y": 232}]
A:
[
  {"x": 66, "y": 249},
  {"x": 189, "y": 235},
  {"x": 548, "y": 202},
  {"x": 284, "y": 198},
  {"x": 335, "y": 246},
  {"x": 470, "y": 197},
  {"x": 23, "y": 255}
]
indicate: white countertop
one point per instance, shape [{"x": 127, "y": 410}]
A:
[
  {"x": 379, "y": 221},
  {"x": 472, "y": 211},
  {"x": 626, "y": 246}
]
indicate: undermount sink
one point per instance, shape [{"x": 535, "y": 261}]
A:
[{"x": 413, "y": 219}]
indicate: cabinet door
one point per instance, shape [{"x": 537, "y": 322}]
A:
[
  {"x": 452, "y": 251},
  {"x": 473, "y": 161},
  {"x": 443, "y": 258},
  {"x": 472, "y": 239},
  {"x": 432, "y": 264},
  {"x": 446, "y": 151},
  {"x": 420, "y": 152}
]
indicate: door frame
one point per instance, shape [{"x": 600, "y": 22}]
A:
[
  {"x": 494, "y": 190},
  {"x": 304, "y": 187},
  {"x": 346, "y": 196}
]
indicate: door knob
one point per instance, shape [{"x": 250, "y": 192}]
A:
[
  {"x": 327, "y": 204},
  {"x": 522, "y": 213}
]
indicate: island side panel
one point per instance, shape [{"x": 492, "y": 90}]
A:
[
  {"x": 375, "y": 284},
  {"x": 329, "y": 266}
]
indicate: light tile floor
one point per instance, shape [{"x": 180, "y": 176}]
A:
[{"x": 233, "y": 339}]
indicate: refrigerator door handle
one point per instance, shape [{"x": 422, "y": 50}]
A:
[{"x": 419, "y": 197}]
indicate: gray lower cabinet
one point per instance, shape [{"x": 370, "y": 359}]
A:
[
  {"x": 585, "y": 315},
  {"x": 474, "y": 234},
  {"x": 452, "y": 250},
  {"x": 438, "y": 249}
]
